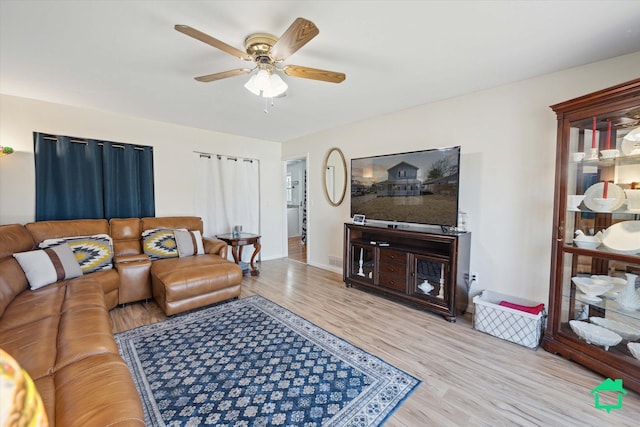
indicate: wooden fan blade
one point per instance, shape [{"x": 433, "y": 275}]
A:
[
  {"x": 297, "y": 35},
  {"x": 222, "y": 75},
  {"x": 205, "y": 38},
  {"x": 314, "y": 73}
]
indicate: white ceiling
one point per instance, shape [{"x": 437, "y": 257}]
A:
[{"x": 126, "y": 57}]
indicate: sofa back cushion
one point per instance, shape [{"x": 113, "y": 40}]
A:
[
  {"x": 13, "y": 238},
  {"x": 43, "y": 230},
  {"x": 126, "y": 236},
  {"x": 191, "y": 223}
]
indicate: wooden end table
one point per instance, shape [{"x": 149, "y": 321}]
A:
[{"x": 238, "y": 242}]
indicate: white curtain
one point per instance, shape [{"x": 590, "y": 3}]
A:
[{"x": 227, "y": 194}]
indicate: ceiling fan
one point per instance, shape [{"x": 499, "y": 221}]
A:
[{"x": 268, "y": 52}]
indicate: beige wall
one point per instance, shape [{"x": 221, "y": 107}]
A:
[
  {"x": 508, "y": 137},
  {"x": 173, "y": 147}
]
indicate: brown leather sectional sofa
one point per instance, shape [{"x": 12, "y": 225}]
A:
[{"x": 61, "y": 334}]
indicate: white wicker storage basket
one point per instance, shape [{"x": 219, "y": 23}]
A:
[{"x": 509, "y": 324}]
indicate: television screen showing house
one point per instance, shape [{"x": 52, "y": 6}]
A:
[{"x": 417, "y": 187}]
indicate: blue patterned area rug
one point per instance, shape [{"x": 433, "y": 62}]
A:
[{"x": 250, "y": 362}]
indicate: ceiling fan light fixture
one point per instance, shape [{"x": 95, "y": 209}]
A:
[
  {"x": 251, "y": 86},
  {"x": 277, "y": 87},
  {"x": 262, "y": 80},
  {"x": 265, "y": 84}
]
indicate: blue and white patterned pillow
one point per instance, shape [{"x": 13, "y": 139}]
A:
[
  {"x": 159, "y": 243},
  {"x": 94, "y": 253}
]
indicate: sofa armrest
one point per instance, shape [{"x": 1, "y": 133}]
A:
[
  {"x": 215, "y": 246},
  {"x": 134, "y": 272}
]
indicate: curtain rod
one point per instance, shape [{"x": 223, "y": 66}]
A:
[
  {"x": 235, "y": 158},
  {"x": 85, "y": 142}
]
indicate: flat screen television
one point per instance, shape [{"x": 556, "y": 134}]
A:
[{"x": 419, "y": 187}]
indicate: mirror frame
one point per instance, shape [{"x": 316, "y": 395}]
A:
[{"x": 324, "y": 177}]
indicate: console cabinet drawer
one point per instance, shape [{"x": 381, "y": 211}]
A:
[
  {"x": 399, "y": 283},
  {"x": 389, "y": 255},
  {"x": 393, "y": 269}
]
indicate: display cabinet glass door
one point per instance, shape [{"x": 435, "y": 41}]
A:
[
  {"x": 362, "y": 263},
  {"x": 613, "y": 307},
  {"x": 601, "y": 174},
  {"x": 430, "y": 275}
]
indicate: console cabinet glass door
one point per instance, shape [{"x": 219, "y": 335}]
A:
[
  {"x": 362, "y": 263},
  {"x": 430, "y": 276}
]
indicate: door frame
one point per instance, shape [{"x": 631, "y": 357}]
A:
[{"x": 285, "y": 237}]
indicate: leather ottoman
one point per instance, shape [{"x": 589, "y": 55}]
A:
[{"x": 182, "y": 284}]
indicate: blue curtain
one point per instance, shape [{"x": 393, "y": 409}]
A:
[
  {"x": 128, "y": 180},
  {"x": 92, "y": 179}
]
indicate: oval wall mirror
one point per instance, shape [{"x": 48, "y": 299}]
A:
[{"x": 335, "y": 176}]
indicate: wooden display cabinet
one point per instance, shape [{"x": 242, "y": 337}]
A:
[
  {"x": 428, "y": 269},
  {"x": 579, "y": 183}
]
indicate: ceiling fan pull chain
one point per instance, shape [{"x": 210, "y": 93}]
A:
[{"x": 266, "y": 106}]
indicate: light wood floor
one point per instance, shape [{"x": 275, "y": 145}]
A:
[
  {"x": 297, "y": 250},
  {"x": 468, "y": 378}
]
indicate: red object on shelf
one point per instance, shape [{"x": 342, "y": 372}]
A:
[
  {"x": 609, "y": 136},
  {"x": 593, "y": 134},
  {"x": 605, "y": 190}
]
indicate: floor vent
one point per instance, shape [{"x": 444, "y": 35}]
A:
[{"x": 336, "y": 261}]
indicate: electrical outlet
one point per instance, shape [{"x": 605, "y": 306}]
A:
[{"x": 475, "y": 278}]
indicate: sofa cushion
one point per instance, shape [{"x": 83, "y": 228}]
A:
[
  {"x": 33, "y": 345},
  {"x": 42, "y": 230},
  {"x": 94, "y": 253},
  {"x": 125, "y": 233},
  {"x": 84, "y": 332},
  {"x": 97, "y": 391},
  {"x": 13, "y": 238},
  {"x": 12, "y": 282},
  {"x": 172, "y": 222},
  {"x": 159, "y": 243},
  {"x": 189, "y": 243},
  {"x": 47, "y": 266},
  {"x": 31, "y": 306}
]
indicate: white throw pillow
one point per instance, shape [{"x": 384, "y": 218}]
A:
[
  {"x": 189, "y": 243},
  {"x": 47, "y": 266}
]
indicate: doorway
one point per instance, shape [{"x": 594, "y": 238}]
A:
[{"x": 296, "y": 199}]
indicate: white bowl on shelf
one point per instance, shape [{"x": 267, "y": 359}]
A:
[
  {"x": 609, "y": 154},
  {"x": 592, "y": 288},
  {"x": 604, "y": 205},
  {"x": 587, "y": 242},
  {"x": 618, "y": 284},
  {"x": 623, "y": 237},
  {"x": 627, "y": 332},
  {"x": 577, "y": 157},
  {"x": 633, "y": 199},
  {"x": 634, "y": 348},
  {"x": 617, "y": 281},
  {"x": 594, "y": 334}
]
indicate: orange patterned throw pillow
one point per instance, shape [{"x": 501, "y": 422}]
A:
[{"x": 21, "y": 403}]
